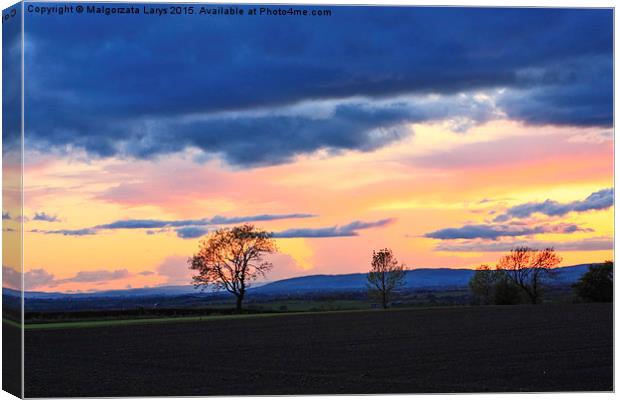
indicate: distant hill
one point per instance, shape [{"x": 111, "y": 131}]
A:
[
  {"x": 414, "y": 279},
  {"x": 422, "y": 278},
  {"x": 138, "y": 292}
]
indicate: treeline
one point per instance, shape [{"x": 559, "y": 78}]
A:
[
  {"x": 230, "y": 259},
  {"x": 523, "y": 276}
]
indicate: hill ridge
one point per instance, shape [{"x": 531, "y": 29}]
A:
[{"x": 418, "y": 278}]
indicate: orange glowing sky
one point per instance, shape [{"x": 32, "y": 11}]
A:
[
  {"x": 432, "y": 179},
  {"x": 447, "y": 134}
]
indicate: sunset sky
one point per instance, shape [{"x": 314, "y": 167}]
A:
[{"x": 449, "y": 135}]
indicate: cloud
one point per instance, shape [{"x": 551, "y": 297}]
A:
[
  {"x": 136, "y": 224},
  {"x": 572, "y": 95},
  {"x": 217, "y": 220},
  {"x": 12, "y": 278},
  {"x": 146, "y": 273},
  {"x": 518, "y": 149},
  {"x": 95, "y": 276},
  {"x": 188, "y": 226},
  {"x": 600, "y": 200},
  {"x": 284, "y": 266},
  {"x": 494, "y": 232},
  {"x": 39, "y": 277},
  {"x": 68, "y": 232},
  {"x": 195, "y": 228},
  {"x": 42, "y": 216},
  {"x": 283, "y": 133},
  {"x": 11, "y": 96},
  {"x": 553, "y": 66},
  {"x": 333, "y": 231},
  {"x": 589, "y": 244},
  {"x": 191, "y": 232},
  {"x": 176, "y": 271}
]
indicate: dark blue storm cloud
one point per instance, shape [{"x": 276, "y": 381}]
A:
[
  {"x": 135, "y": 85},
  {"x": 11, "y": 84}
]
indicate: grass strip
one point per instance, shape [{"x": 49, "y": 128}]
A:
[
  {"x": 163, "y": 320},
  {"x": 11, "y": 322}
]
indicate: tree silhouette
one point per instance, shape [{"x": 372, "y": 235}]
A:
[
  {"x": 490, "y": 286},
  {"x": 529, "y": 269},
  {"x": 597, "y": 284},
  {"x": 230, "y": 258},
  {"x": 482, "y": 285},
  {"x": 505, "y": 292},
  {"x": 385, "y": 276}
]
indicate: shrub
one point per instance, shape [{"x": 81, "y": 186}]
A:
[{"x": 597, "y": 285}]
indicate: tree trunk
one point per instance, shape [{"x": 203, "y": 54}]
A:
[
  {"x": 239, "y": 302},
  {"x": 384, "y": 299}
]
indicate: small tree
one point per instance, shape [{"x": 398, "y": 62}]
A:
[
  {"x": 385, "y": 277},
  {"x": 482, "y": 285},
  {"x": 505, "y": 291},
  {"x": 490, "y": 286},
  {"x": 231, "y": 258},
  {"x": 529, "y": 269},
  {"x": 597, "y": 284}
]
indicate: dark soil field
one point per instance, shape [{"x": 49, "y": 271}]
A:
[
  {"x": 11, "y": 358},
  {"x": 562, "y": 347}
]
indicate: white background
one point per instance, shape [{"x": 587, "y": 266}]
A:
[{"x": 522, "y": 3}]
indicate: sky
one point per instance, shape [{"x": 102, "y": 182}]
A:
[{"x": 449, "y": 135}]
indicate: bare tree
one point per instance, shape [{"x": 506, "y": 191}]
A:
[
  {"x": 386, "y": 276},
  {"x": 529, "y": 269},
  {"x": 231, "y": 258}
]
